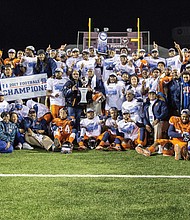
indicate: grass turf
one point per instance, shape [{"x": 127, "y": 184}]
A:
[{"x": 93, "y": 198}]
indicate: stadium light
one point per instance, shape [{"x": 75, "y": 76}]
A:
[
  {"x": 106, "y": 29},
  {"x": 129, "y": 30}
]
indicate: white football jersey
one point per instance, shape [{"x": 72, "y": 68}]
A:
[
  {"x": 108, "y": 66},
  {"x": 174, "y": 62},
  {"x": 92, "y": 126},
  {"x": 56, "y": 86},
  {"x": 135, "y": 109},
  {"x": 129, "y": 129},
  {"x": 112, "y": 125},
  {"x": 114, "y": 95},
  {"x": 119, "y": 67},
  {"x": 87, "y": 64},
  {"x": 29, "y": 63},
  {"x": 152, "y": 62}
]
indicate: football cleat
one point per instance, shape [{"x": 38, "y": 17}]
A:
[{"x": 142, "y": 151}]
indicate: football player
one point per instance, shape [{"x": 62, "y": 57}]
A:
[{"x": 63, "y": 131}]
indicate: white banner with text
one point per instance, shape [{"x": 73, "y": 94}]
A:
[{"x": 24, "y": 87}]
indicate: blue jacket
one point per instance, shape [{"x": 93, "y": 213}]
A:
[
  {"x": 48, "y": 67},
  {"x": 8, "y": 131},
  {"x": 174, "y": 91},
  {"x": 160, "y": 111},
  {"x": 72, "y": 97},
  {"x": 34, "y": 124}
]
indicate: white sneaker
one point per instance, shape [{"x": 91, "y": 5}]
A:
[
  {"x": 27, "y": 146},
  {"x": 18, "y": 147}
]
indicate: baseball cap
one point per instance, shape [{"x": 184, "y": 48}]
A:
[
  {"x": 75, "y": 50},
  {"x": 126, "y": 111},
  {"x": 152, "y": 91},
  {"x": 68, "y": 50},
  {"x": 59, "y": 70},
  {"x": 113, "y": 74},
  {"x": 89, "y": 110},
  {"x": 85, "y": 51},
  {"x": 142, "y": 51},
  {"x": 123, "y": 55},
  {"x": 30, "y": 48},
  {"x": 11, "y": 51},
  {"x": 52, "y": 50},
  {"x": 41, "y": 51},
  {"x": 171, "y": 49},
  {"x": 185, "y": 111},
  {"x": 184, "y": 50},
  {"x": 154, "y": 50},
  {"x": 130, "y": 91}
]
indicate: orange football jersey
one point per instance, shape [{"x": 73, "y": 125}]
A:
[
  {"x": 179, "y": 126},
  {"x": 65, "y": 126}
]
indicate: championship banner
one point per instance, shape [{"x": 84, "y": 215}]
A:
[
  {"x": 24, "y": 87},
  {"x": 102, "y": 43}
]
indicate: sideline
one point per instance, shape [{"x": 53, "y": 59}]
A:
[{"x": 92, "y": 176}]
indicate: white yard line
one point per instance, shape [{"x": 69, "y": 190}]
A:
[{"x": 93, "y": 176}]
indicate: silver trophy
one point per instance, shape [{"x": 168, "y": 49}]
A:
[{"x": 83, "y": 92}]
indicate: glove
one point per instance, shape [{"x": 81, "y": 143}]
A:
[{"x": 186, "y": 136}]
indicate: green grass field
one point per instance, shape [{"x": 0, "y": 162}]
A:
[{"x": 89, "y": 197}]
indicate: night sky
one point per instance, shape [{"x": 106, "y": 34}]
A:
[{"x": 40, "y": 23}]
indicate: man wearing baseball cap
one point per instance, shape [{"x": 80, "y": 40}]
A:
[
  {"x": 90, "y": 128},
  {"x": 28, "y": 61}
]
